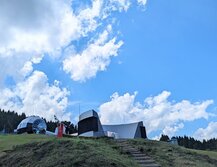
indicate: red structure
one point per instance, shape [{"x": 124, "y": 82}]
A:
[{"x": 60, "y": 130}]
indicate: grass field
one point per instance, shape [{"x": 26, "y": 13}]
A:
[
  {"x": 7, "y": 142},
  {"x": 41, "y": 150},
  {"x": 211, "y": 154}
]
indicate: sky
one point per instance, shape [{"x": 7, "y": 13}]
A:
[{"x": 130, "y": 60}]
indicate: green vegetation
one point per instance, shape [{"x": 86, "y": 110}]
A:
[
  {"x": 41, "y": 150},
  {"x": 211, "y": 154},
  {"x": 171, "y": 155},
  {"x": 7, "y": 142},
  {"x": 9, "y": 120},
  {"x": 190, "y": 142}
]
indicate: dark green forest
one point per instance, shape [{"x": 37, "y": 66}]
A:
[
  {"x": 190, "y": 142},
  {"x": 9, "y": 120}
]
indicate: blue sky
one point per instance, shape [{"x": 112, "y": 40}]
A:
[{"x": 164, "y": 50}]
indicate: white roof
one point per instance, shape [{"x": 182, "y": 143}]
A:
[
  {"x": 87, "y": 114},
  {"x": 128, "y": 131}
]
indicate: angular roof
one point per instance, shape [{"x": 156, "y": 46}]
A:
[{"x": 129, "y": 131}]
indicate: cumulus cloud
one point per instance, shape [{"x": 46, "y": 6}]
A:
[
  {"x": 33, "y": 27},
  {"x": 35, "y": 96},
  {"x": 40, "y": 26},
  {"x": 29, "y": 28},
  {"x": 207, "y": 133},
  {"x": 28, "y": 66},
  {"x": 17, "y": 66},
  {"x": 96, "y": 57},
  {"x": 36, "y": 26},
  {"x": 157, "y": 112}
]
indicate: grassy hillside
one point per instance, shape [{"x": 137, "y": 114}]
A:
[
  {"x": 41, "y": 150},
  {"x": 7, "y": 142},
  {"x": 46, "y": 151},
  {"x": 171, "y": 155}
]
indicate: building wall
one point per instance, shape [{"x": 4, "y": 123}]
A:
[
  {"x": 125, "y": 131},
  {"x": 89, "y": 125}
]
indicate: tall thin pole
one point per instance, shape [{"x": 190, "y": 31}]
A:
[
  {"x": 79, "y": 109},
  {"x": 34, "y": 109}
]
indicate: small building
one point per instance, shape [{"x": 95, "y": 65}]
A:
[
  {"x": 32, "y": 124},
  {"x": 173, "y": 140}
]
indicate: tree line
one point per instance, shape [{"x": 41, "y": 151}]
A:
[
  {"x": 9, "y": 120},
  {"x": 190, "y": 142}
]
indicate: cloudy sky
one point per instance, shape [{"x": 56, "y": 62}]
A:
[{"x": 131, "y": 60}]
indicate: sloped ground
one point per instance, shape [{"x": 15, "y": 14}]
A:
[
  {"x": 41, "y": 150},
  {"x": 167, "y": 154},
  {"x": 73, "y": 152},
  {"x": 7, "y": 142},
  {"x": 140, "y": 157}
]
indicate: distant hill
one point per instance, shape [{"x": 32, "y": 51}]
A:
[{"x": 41, "y": 150}]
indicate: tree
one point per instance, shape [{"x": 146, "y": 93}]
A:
[{"x": 164, "y": 138}]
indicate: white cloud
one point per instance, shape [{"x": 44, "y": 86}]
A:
[
  {"x": 88, "y": 17},
  {"x": 157, "y": 112},
  {"x": 120, "y": 5},
  {"x": 172, "y": 129},
  {"x": 17, "y": 66},
  {"x": 36, "y": 26},
  {"x": 96, "y": 57},
  {"x": 11, "y": 66},
  {"x": 142, "y": 2},
  {"x": 35, "y": 96},
  {"x": 28, "y": 66},
  {"x": 32, "y": 27},
  {"x": 29, "y": 28},
  {"x": 44, "y": 26},
  {"x": 207, "y": 133}
]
